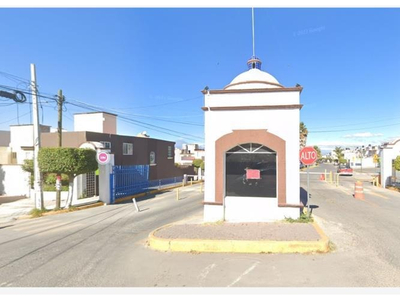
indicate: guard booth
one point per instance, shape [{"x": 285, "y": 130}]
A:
[{"x": 252, "y": 142}]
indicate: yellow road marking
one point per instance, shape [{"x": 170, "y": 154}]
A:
[{"x": 378, "y": 195}]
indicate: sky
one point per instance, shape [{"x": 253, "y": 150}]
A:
[{"x": 149, "y": 66}]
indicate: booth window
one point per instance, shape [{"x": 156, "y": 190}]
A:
[{"x": 250, "y": 171}]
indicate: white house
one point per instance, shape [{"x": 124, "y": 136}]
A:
[
  {"x": 252, "y": 142},
  {"x": 188, "y": 154},
  {"x": 389, "y": 152},
  {"x": 21, "y": 141}
]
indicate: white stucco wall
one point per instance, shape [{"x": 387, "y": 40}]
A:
[
  {"x": 283, "y": 123},
  {"x": 388, "y": 154},
  {"x": 22, "y": 136},
  {"x": 13, "y": 181},
  {"x": 95, "y": 122}
]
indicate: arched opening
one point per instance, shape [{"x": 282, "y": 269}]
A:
[
  {"x": 239, "y": 137},
  {"x": 250, "y": 171}
]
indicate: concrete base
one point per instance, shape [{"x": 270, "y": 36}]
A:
[
  {"x": 197, "y": 244},
  {"x": 249, "y": 209},
  {"x": 213, "y": 213}
]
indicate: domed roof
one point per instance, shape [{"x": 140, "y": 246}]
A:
[{"x": 254, "y": 78}]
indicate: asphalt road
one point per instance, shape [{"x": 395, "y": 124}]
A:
[{"x": 106, "y": 247}]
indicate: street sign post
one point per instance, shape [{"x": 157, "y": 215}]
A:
[{"x": 308, "y": 155}]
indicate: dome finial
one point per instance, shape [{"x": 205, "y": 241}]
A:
[{"x": 254, "y": 63}]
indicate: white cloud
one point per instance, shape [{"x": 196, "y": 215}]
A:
[
  {"x": 362, "y": 135},
  {"x": 330, "y": 145}
]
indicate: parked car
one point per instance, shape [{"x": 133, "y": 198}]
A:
[{"x": 345, "y": 169}]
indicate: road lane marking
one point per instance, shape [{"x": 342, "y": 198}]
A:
[
  {"x": 206, "y": 271},
  {"x": 371, "y": 203},
  {"x": 345, "y": 190},
  {"x": 378, "y": 195},
  {"x": 244, "y": 274}
]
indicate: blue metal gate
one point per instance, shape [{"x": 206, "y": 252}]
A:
[{"x": 128, "y": 180}]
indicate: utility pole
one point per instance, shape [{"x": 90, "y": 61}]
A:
[
  {"x": 60, "y": 102},
  {"x": 38, "y": 196}
]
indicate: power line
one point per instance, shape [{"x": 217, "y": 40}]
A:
[
  {"x": 136, "y": 122},
  {"x": 355, "y": 129},
  {"x": 40, "y": 95},
  {"x": 14, "y": 118},
  {"x": 161, "y": 104}
]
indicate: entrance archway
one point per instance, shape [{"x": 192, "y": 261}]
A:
[
  {"x": 250, "y": 171},
  {"x": 271, "y": 143}
]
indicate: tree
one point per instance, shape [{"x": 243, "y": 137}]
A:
[
  {"x": 198, "y": 163},
  {"x": 339, "y": 154},
  {"x": 397, "y": 163},
  {"x": 28, "y": 167},
  {"x": 303, "y": 135},
  {"x": 69, "y": 161},
  {"x": 318, "y": 152}
]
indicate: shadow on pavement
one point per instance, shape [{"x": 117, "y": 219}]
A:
[{"x": 8, "y": 199}]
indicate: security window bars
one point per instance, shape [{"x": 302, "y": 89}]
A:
[
  {"x": 106, "y": 145},
  {"x": 127, "y": 149},
  {"x": 170, "y": 152}
]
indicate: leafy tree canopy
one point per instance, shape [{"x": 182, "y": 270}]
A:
[
  {"x": 71, "y": 161},
  {"x": 198, "y": 163},
  {"x": 397, "y": 163}
]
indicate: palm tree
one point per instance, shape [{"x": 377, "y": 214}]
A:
[
  {"x": 339, "y": 153},
  {"x": 303, "y": 135}
]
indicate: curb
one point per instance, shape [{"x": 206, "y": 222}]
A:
[
  {"x": 239, "y": 246},
  {"x": 49, "y": 213}
]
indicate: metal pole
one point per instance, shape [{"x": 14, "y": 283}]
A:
[
  {"x": 308, "y": 189},
  {"x": 136, "y": 206},
  {"x": 59, "y": 131},
  {"x": 38, "y": 196}
]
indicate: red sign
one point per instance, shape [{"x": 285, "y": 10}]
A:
[
  {"x": 308, "y": 155},
  {"x": 252, "y": 174},
  {"x": 103, "y": 158}
]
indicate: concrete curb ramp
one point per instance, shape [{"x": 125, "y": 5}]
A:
[{"x": 239, "y": 246}]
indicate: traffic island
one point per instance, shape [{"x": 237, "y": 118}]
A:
[{"x": 224, "y": 237}]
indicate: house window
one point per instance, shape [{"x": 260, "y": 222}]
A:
[
  {"x": 250, "y": 171},
  {"x": 106, "y": 145},
  {"x": 127, "y": 149},
  {"x": 170, "y": 156}
]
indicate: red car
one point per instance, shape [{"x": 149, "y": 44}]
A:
[{"x": 345, "y": 169}]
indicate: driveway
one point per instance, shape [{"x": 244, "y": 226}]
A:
[{"x": 8, "y": 199}]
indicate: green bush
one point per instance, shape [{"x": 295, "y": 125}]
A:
[
  {"x": 303, "y": 219},
  {"x": 397, "y": 163},
  {"x": 28, "y": 167},
  {"x": 70, "y": 161},
  {"x": 52, "y": 188},
  {"x": 36, "y": 213},
  {"x": 51, "y": 178}
]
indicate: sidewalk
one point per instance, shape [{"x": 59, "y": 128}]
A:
[
  {"x": 11, "y": 211},
  {"x": 192, "y": 235}
]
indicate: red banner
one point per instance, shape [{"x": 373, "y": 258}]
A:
[{"x": 252, "y": 174}]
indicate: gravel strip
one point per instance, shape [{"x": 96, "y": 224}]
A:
[{"x": 241, "y": 231}]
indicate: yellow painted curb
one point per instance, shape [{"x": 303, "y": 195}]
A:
[
  {"x": 239, "y": 246},
  {"x": 62, "y": 211}
]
